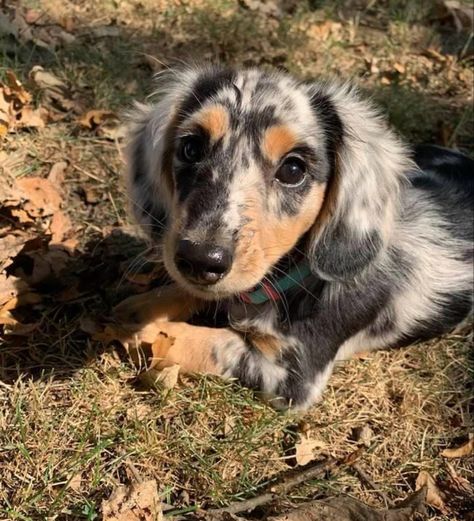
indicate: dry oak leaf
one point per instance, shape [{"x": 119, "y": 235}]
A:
[
  {"x": 11, "y": 288},
  {"x": 15, "y": 108},
  {"x": 467, "y": 449},
  {"x": 304, "y": 449},
  {"x": 10, "y": 246},
  {"x": 57, "y": 173},
  {"x": 434, "y": 496},
  {"x": 138, "y": 502},
  {"x": 43, "y": 198},
  {"x": 54, "y": 92},
  {"x": 95, "y": 118},
  {"x": 60, "y": 227},
  {"x": 167, "y": 378}
]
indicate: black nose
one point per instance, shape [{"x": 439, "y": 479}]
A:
[{"x": 201, "y": 262}]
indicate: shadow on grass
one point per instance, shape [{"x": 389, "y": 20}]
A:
[{"x": 70, "y": 290}]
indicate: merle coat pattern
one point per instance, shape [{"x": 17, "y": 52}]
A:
[{"x": 242, "y": 175}]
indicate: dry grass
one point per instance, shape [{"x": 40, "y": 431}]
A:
[{"x": 74, "y": 423}]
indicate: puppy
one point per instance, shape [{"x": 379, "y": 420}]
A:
[{"x": 290, "y": 209}]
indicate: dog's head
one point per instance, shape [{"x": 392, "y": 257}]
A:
[{"x": 231, "y": 170}]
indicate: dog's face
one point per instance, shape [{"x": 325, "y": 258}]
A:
[
  {"x": 236, "y": 167},
  {"x": 247, "y": 172}
]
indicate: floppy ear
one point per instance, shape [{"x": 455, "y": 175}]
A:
[
  {"x": 150, "y": 150},
  {"x": 367, "y": 165}
]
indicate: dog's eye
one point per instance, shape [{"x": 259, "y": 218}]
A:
[
  {"x": 292, "y": 172},
  {"x": 191, "y": 149}
]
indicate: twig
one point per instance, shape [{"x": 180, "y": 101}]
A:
[
  {"x": 287, "y": 485},
  {"x": 367, "y": 481}
]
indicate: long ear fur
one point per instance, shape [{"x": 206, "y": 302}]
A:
[
  {"x": 368, "y": 165},
  {"x": 150, "y": 134}
]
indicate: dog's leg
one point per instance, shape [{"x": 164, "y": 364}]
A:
[
  {"x": 161, "y": 304},
  {"x": 274, "y": 364}
]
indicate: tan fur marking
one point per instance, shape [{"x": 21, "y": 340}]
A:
[
  {"x": 191, "y": 347},
  {"x": 277, "y": 141},
  {"x": 268, "y": 345},
  {"x": 214, "y": 120},
  {"x": 275, "y": 237},
  {"x": 163, "y": 304}
]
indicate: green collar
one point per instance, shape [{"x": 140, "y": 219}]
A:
[{"x": 266, "y": 291}]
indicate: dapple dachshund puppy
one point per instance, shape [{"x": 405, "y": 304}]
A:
[{"x": 290, "y": 209}]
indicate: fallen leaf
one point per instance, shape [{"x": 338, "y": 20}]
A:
[
  {"x": 42, "y": 196},
  {"x": 265, "y": 7},
  {"x": 399, "y": 67},
  {"x": 137, "y": 502},
  {"x": 363, "y": 435},
  {"x": 344, "y": 508},
  {"x": 434, "y": 496},
  {"x": 15, "y": 107},
  {"x": 60, "y": 227},
  {"x": 10, "y": 246},
  {"x": 54, "y": 92},
  {"x": 94, "y": 118},
  {"x": 21, "y": 216},
  {"x": 57, "y": 173},
  {"x": 467, "y": 449},
  {"x": 11, "y": 287},
  {"x": 32, "y": 118},
  {"x": 304, "y": 449},
  {"x": 91, "y": 195},
  {"x": 75, "y": 483},
  {"x": 19, "y": 329},
  {"x": 322, "y": 31},
  {"x": 167, "y": 378}
]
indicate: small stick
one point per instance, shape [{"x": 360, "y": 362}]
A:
[
  {"x": 367, "y": 481},
  {"x": 287, "y": 485}
]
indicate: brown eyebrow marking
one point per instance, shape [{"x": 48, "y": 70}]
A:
[
  {"x": 277, "y": 141},
  {"x": 214, "y": 120}
]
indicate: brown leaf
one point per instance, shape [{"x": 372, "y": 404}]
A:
[
  {"x": 42, "y": 196},
  {"x": 33, "y": 118},
  {"x": 91, "y": 195},
  {"x": 304, "y": 449},
  {"x": 15, "y": 106},
  {"x": 265, "y": 7},
  {"x": 60, "y": 227},
  {"x": 167, "y": 378},
  {"x": 344, "y": 508},
  {"x": 9, "y": 247},
  {"x": 363, "y": 435},
  {"x": 54, "y": 92},
  {"x": 94, "y": 118},
  {"x": 10, "y": 288},
  {"x": 138, "y": 502},
  {"x": 75, "y": 482},
  {"x": 434, "y": 496},
  {"x": 57, "y": 173},
  {"x": 399, "y": 67},
  {"x": 467, "y": 449},
  {"x": 19, "y": 329},
  {"x": 21, "y": 216}
]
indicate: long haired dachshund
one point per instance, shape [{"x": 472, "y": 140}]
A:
[{"x": 290, "y": 209}]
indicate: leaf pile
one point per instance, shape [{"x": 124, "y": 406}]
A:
[{"x": 16, "y": 110}]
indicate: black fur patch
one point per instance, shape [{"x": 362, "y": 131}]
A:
[
  {"x": 329, "y": 119},
  {"x": 206, "y": 86},
  {"x": 340, "y": 255}
]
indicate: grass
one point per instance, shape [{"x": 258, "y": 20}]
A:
[{"x": 74, "y": 421}]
